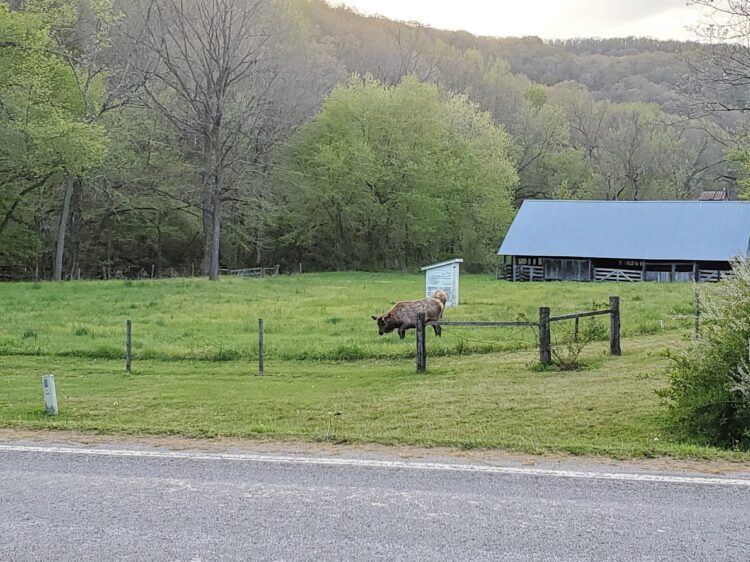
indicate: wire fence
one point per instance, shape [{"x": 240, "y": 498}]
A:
[{"x": 543, "y": 330}]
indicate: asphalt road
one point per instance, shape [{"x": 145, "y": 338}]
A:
[{"x": 59, "y": 503}]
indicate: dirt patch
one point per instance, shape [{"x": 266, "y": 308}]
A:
[{"x": 437, "y": 454}]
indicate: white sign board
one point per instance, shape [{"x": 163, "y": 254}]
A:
[
  {"x": 50, "y": 395},
  {"x": 443, "y": 276}
]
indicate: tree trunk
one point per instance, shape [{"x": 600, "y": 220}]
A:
[
  {"x": 207, "y": 181},
  {"x": 73, "y": 230},
  {"x": 16, "y": 5},
  {"x": 57, "y": 274},
  {"x": 213, "y": 273},
  {"x": 258, "y": 248},
  {"x": 208, "y": 227},
  {"x": 159, "y": 257}
]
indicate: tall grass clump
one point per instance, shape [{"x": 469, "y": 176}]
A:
[{"x": 709, "y": 387}]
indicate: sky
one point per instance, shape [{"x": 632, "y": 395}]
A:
[{"x": 549, "y": 19}]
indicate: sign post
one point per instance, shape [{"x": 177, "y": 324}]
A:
[
  {"x": 50, "y": 395},
  {"x": 443, "y": 277}
]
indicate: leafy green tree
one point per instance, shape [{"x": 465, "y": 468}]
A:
[
  {"x": 45, "y": 138},
  {"x": 392, "y": 177}
]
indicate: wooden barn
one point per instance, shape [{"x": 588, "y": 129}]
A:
[{"x": 625, "y": 240}]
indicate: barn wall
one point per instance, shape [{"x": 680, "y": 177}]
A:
[
  {"x": 529, "y": 268},
  {"x": 567, "y": 270}
]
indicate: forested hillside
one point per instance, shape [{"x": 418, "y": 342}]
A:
[{"x": 181, "y": 136}]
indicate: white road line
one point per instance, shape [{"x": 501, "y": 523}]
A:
[{"x": 372, "y": 463}]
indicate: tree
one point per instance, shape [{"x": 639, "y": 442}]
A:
[
  {"x": 211, "y": 79},
  {"x": 44, "y": 135},
  {"x": 723, "y": 67},
  {"x": 394, "y": 177}
]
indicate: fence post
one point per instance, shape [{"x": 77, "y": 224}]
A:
[
  {"x": 697, "y": 304},
  {"x": 128, "y": 345},
  {"x": 260, "y": 346},
  {"x": 614, "y": 326},
  {"x": 421, "y": 347},
  {"x": 545, "y": 351}
]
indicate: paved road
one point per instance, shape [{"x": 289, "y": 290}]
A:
[{"x": 64, "y": 503}]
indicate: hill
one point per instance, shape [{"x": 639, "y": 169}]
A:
[{"x": 584, "y": 118}]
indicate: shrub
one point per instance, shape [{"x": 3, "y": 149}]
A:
[
  {"x": 567, "y": 345},
  {"x": 709, "y": 389}
]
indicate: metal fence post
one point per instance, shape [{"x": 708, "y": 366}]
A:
[
  {"x": 260, "y": 346},
  {"x": 128, "y": 345},
  {"x": 614, "y": 326},
  {"x": 421, "y": 347},
  {"x": 545, "y": 350}
]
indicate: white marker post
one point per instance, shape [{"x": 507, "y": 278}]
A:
[{"x": 50, "y": 395}]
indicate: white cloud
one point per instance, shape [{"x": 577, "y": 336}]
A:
[{"x": 666, "y": 19}]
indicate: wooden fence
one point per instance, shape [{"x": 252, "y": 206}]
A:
[
  {"x": 607, "y": 274},
  {"x": 543, "y": 326},
  {"x": 252, "y": 272},
  {"x": 604, "y": 274}
]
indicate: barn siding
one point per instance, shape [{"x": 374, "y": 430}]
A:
[{"x": 567, "y": 270}]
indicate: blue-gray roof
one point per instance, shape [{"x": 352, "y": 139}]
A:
[{"x": 639, "y": 230}]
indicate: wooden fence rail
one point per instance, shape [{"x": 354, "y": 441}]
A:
[
  {"x": 543, "y": 325},
  {"x": 575, "y": 315},
  {"x": 252, "y": 271}
]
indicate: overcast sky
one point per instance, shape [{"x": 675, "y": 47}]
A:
[{"x": 664, "y": 19}]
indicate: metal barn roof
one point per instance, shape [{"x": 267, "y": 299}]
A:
[{"x": 640, "y": 230}]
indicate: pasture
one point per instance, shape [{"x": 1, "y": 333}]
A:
[{"x": 330, "y": 377}]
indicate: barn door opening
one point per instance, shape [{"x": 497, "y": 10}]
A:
[{"x": 567, "y": 270}]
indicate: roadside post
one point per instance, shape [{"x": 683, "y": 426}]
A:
[{"x": 50, "y": 394}]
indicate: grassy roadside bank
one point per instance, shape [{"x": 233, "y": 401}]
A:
[{"x": 487, "y": 401}]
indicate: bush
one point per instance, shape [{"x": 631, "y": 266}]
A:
[
  {"x": 567, "y": 345},
  {"x": 709, "y": 389}
]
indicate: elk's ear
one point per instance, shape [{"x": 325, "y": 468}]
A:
[{"x": 375, "y": 318}]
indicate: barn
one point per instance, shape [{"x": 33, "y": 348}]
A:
[{"x": 625, "y": 240}]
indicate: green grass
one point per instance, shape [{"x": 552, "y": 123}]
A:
[
  {"x": 313, "y": 317},
  {"x": 330, "y": 377}
]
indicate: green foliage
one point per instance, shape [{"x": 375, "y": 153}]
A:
[
  {"x": 43, "y": 129},
  {"x": 45, "y": 133},
  {"x": 740, "y": 160},
  {"x": 397, "y": 176},
  {"x": 396, "y": 171},
  {"x": 709, "y": 392},
  {"x": 568, "y": 344}
]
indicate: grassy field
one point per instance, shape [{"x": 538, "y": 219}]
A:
[
  {"x": 312, "y": 317},
  {"x": 330, "y": 376}
]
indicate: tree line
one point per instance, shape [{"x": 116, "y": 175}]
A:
[{"x": 165, "y": 137}]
